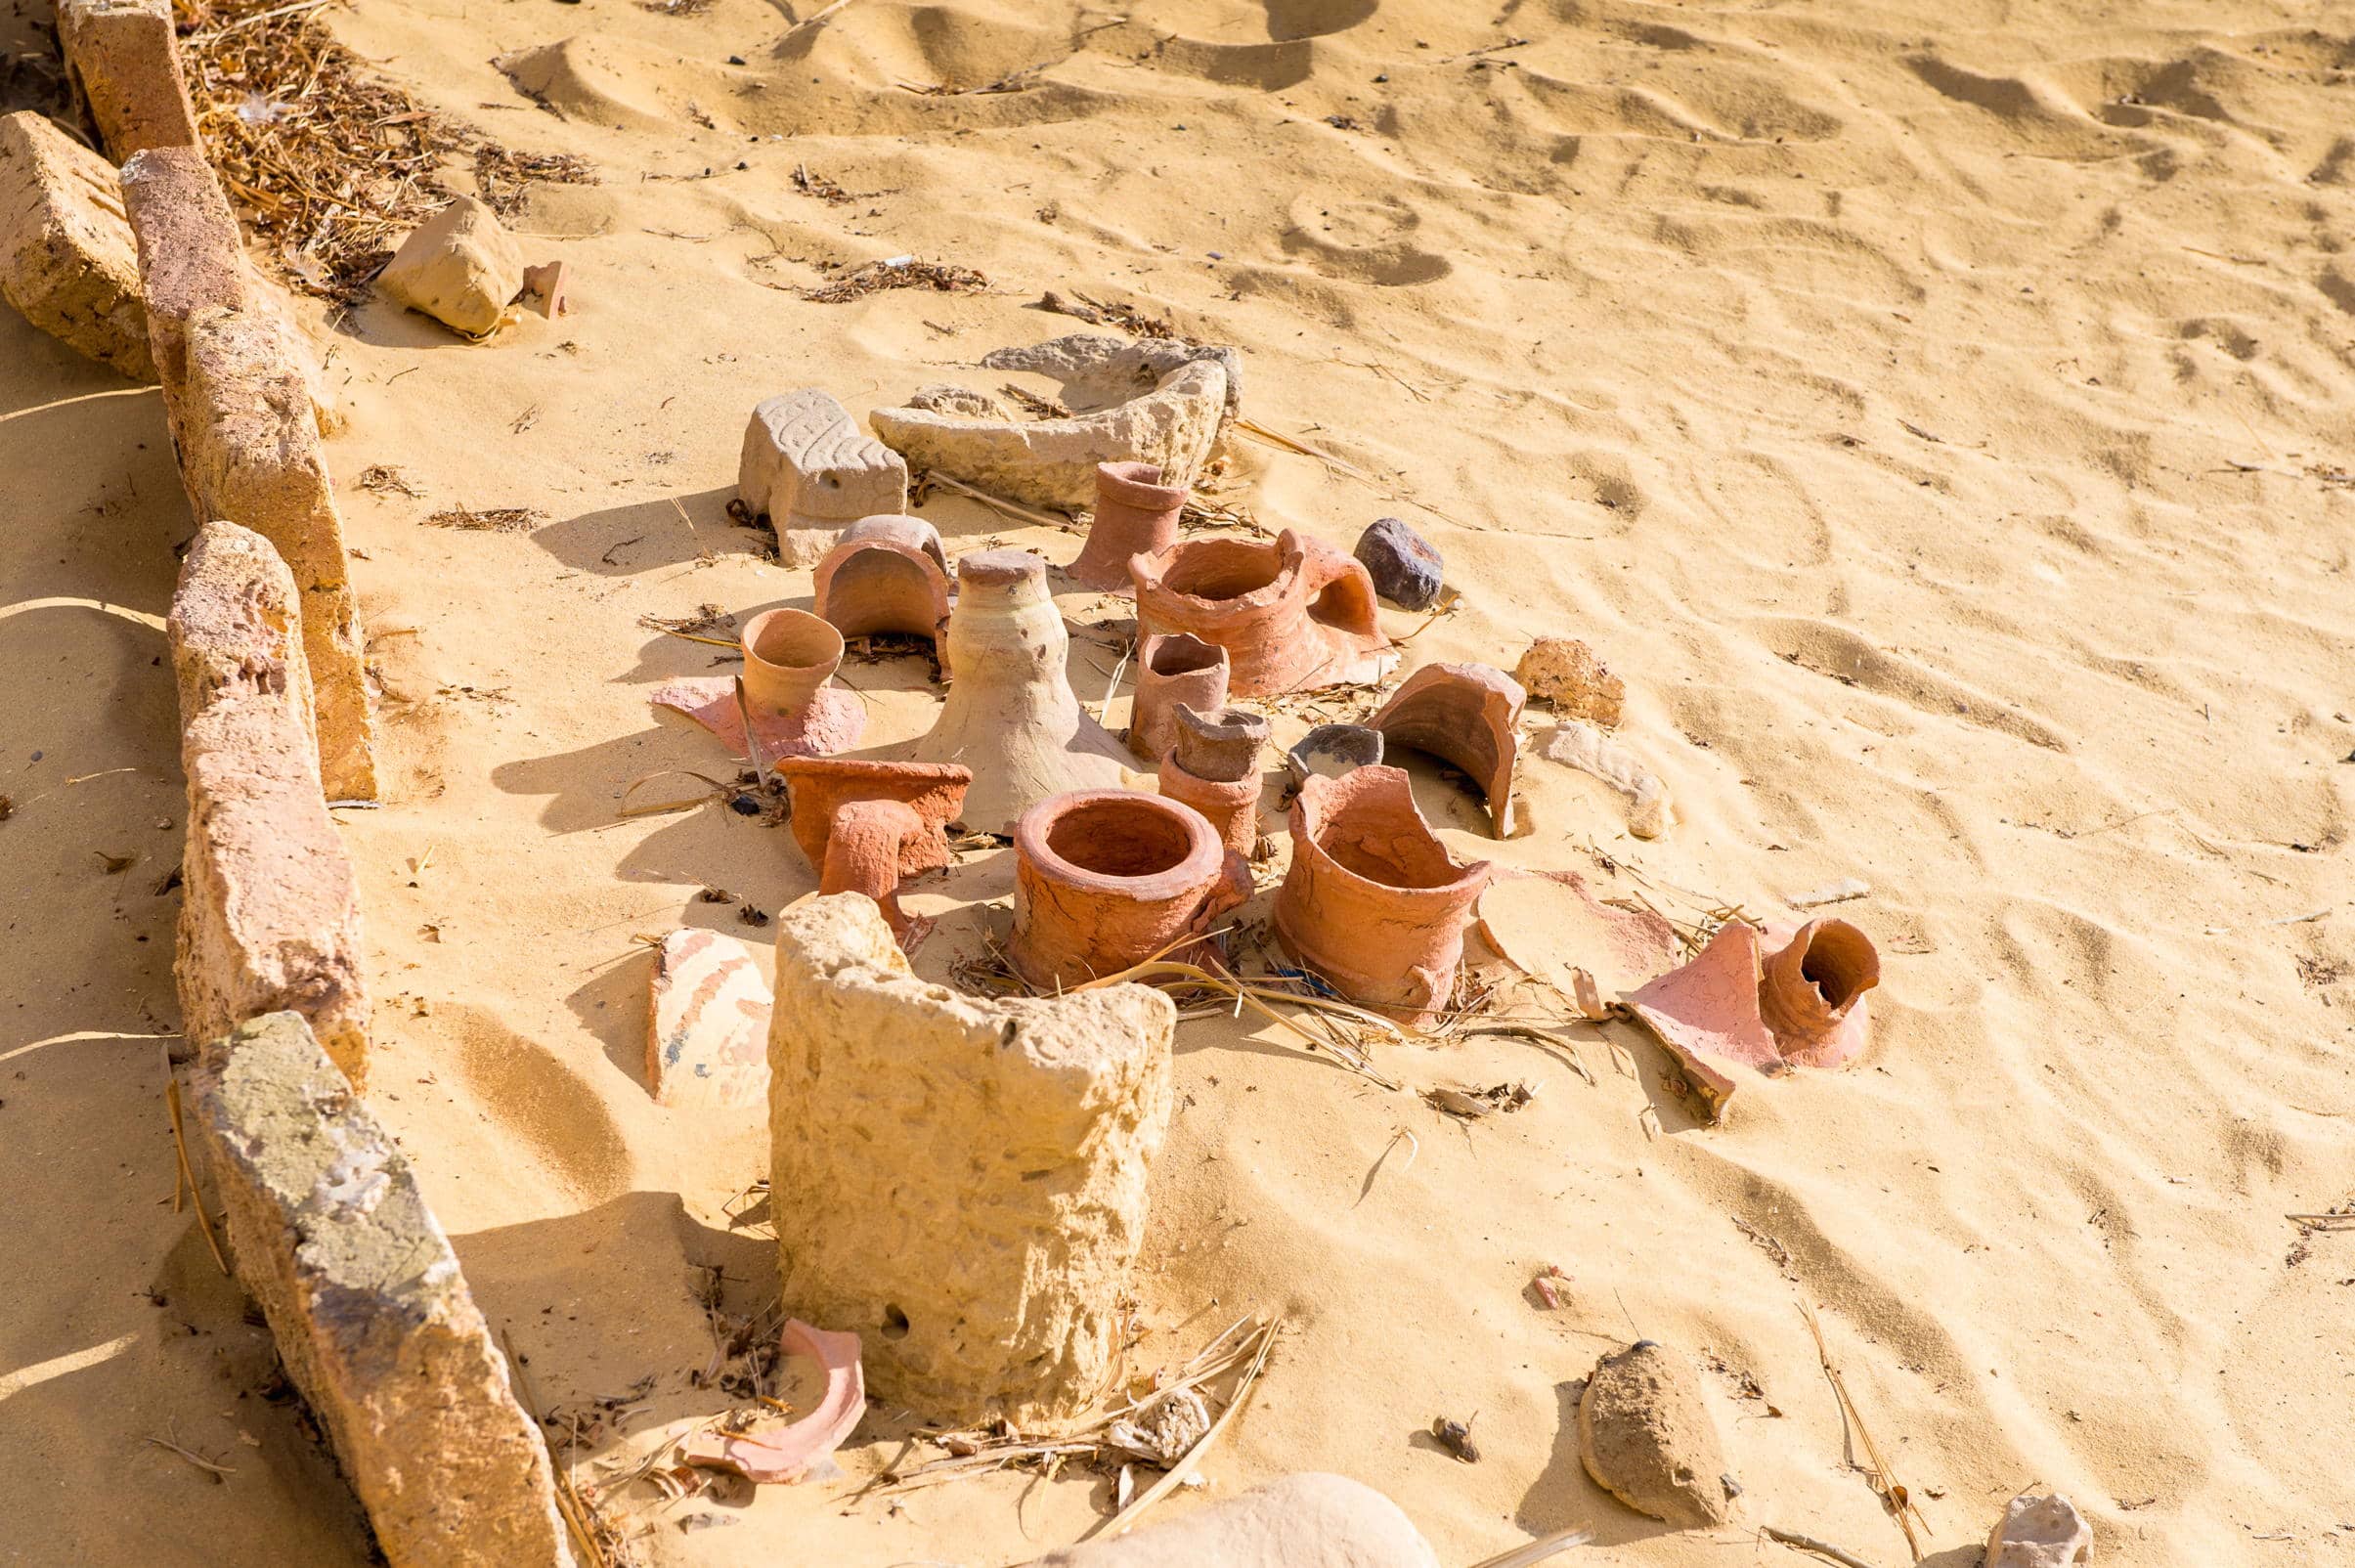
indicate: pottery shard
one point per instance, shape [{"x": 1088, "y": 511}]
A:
[
  {"x": 2041, "y": 1532},
  {"x": 67, "y": 261},
  {"x": 1466, "y": 714},
  {"x": 124, "y": 56},
  {"x": 814, "y": 473},
  {"x": 270, "y": 915},
  {"x": 707, "y": 1036},
  {"x": 1300, "y": 1521},
  {"x": 1405, "y": 566},
  {"x": 1564, "y": 674},
  {"x": 371, "y": 1315},
  {"x": 960, "y": 1181},
  {"x": 250, "y": 452},
  {"x": 1647, "y": 1438},
  {"x": 461, "y": 267}
]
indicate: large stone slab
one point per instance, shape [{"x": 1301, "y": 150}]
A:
[
  {"x": 370, "y": 1313},
  {"x": 191, "y": 255},
  {"x": 125, "y": 57},
  {"x": 809, "y": 467},
  {"x": 1300, "y": 1521},
  {"x": 270, "y": 912},
  {"x": 67, "y": 261},
  {"x": 961, "y": 1182}
]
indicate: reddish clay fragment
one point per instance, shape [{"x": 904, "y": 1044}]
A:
[
  {"x": 1463, "y": 714},
  {"x": 868, "y": 825},
  {"x": 1172, "y": 669},
  {"x": 1136, "y": 514},
  {"x": 1293, "y": 615},
  {"x": 1104, "y": 879},
  {"x": 547, "y": 282},
  {"x": 1374, "y": 902},
  {"x": 886, "y": 574},
  {"x": 1769, "y": 1001},
  {"x": 777, "y": 1452},
  {"x": 707, "y": 1037},
  {"x": 788, "y": 657},
  {"x": 1214, "y": 767}
]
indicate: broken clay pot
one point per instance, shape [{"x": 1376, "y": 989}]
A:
[
  {"x": 1330, "y": 749},
  {"x": 1213, "y": 765},
  {"x": 1769, "y": 1001},
  {"x": 789, "y": 658},
  {"x": 1293, "y": 615},
  {"x": 868, "y": 825},
  {"x": 1136, "y": 514},
  {"x": 1463, "y": 714},
  {"x": 1104, "y": 879},
  {"x": 782, "y": 1452},
  {"x": 707, "y": 1034},
  {"x": 886, "y": 574},
  {"x": 1011, "y": 715},
  {"x": 1172, "y": 669},
  {"x": 1372, "y": 901}
]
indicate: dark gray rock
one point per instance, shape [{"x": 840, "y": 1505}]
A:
[{"x": 1403, "y": 565}]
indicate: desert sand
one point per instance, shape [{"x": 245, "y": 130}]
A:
[{"x": 1937, "y": 413}]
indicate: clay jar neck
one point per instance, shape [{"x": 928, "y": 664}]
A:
[
  {"x": 789, "y": 655},
  {"x": 1135, "y": 514},
  {"x": 1174, "y": 670},
  {"x": 1004, "y": 625},
  {"x": 1119, "y": 844},
  {"x": 1806, "y": 990},
  {"x": 1262, "y": 602},
  {"x": 1218, "y": 747}
]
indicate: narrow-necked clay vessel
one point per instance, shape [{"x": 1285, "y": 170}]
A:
[
  {"x": 1330, "y": 749},
  {"x": 1011, "y": 715},
  {"x": 1464, "y": 714},
  {"x": 1293, "y": 615},
  {"x": 1136, "y": 514},
  {"x": 1372, "y": 901},
  {"x": 1104, "y": 879},
  {"x": 788, "y": 657},
  {"x": 1213, "y": 766},
  {"x": 1767, "y": 1000},
  {"x": 888, "y": 574},
  {"x": 1172, "y": 669},
  {"x": 868, "y": 825}
]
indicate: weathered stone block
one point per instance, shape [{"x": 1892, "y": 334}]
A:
[
  {"x": 2041, "y": 1532},
  {"x": 125, "y": 57},
  {"x": 461, "y": 267},
  {"x": 67, "y": 261},
  {"x": 369, "y": 1311},
  {"x": 814, "y": 473},
  {"x": 270, "y": 912},
  {"x": 1302, "y": 1521},
  {"x": 1646, "y": 1436},
  {"x": 960, "y": 1182}
]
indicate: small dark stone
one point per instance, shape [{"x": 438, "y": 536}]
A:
[
  {"x": 745, "y": 805},
  {"x": 1403, "y": 565}
]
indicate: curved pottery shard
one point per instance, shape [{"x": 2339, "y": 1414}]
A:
[
  {"x": 1011, "y": 715},
  {"x": 1372, "y": 901},
  {"x": 789, "y": 658},
  {"x": 707, "y": 1038},
  {"x": 1052, "y": 462},
  {"x": 1172, "y": 670},
  {"x": 1104, "y": 879},
  {"x": 1764, "y": 1001},
  {"x": 1463, "y": 714},
  {"x": 1580, "y": 745},
  {"x": 1292, "y": 614},
  {"x": 784, "y": 1450},
  {"x": 886, "y": 574},
  {"x": 868, "y": 825},
  {"x": 1136, "y": 514}
]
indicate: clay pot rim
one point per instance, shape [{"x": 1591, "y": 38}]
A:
[
  {"x": 1154, "y": 643},
  {"x": 1149, "y": 572},
  {"x": 1006, "y": 571},
  {"x": 788, "y": 616},
  {"x": 854, "y": 768},
  {"x": 1251, "y": 783},
  {"x": 1308, "y": 814},
  {"x": 1205, "y": 858},
  {"x": 1139, "y": 485}
]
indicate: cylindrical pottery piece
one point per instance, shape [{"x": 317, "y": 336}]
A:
[
  {"x": 865, "y": 825},
  {"x": 1104, "y": 879},
  {"x": 888, "y": 574},
  {"x": 789, "y": 656},
  {"x": 1810, "y": 992},
  {"x": 1293, "y": 615},
  {"x": 1465, "y": 714},
  {"x": 1372, "y": 901},
  {"x": 1172, "y": 669},
  {"x": 1136, "y": 514},
  {"x": 1213, "y": 765}
]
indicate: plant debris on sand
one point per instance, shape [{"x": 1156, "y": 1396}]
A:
[
  {"x": 497, "y": 520},
  {"x": 902, "y": 271}
]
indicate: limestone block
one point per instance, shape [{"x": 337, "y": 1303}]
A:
[
  {"x": 124, "y": 56},
  {"x": 460, "y": 267},
  {"x": 1575, "y": 742},
  {"x": 1564, "y": 672},
  {"x": 371, "y": 1314},
  {"x": 1646, "y": 1436},
  {"x": 1302, "y": 1521},
  {"x": 270, "y": 911},
  {"x": 67, "y": 261},
  {"x": 814, "y": 473},
  {"x": 960, "y": 1181},
  {"x": 2041, "y": 1532},
  {"x": 250, "y": 452}
]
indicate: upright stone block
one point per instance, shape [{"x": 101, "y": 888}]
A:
[
  {"x": 269, "y": 913},
  {"x": 67, "y": 261},
  {"x": 960, "y": 1182},
  {"x": 814, "y": 473},
  {"x": 125, "y": 57},
  {"x": 369, "y": 1311}
]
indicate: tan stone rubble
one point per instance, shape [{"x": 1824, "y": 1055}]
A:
[
  {"x": 124, "y": 58},
  {"x": 67, "y": 261}
]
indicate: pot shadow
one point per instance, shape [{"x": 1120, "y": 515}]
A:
[
  {"x": 1565, "y": 1496},
  {"x": 382, "y": 324},
  {"x": 1955, "y": 1557},
  {"x": 642, "y": 535}
]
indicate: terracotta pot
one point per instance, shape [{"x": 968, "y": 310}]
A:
[
  {"x": 888, "y": 574},
  {"x": 868, "y": 825},
  {"x": 1172, "y": 669},
  {"x": 1136, "y": 514},
  {"x": 1293, "y": 615},
  {"x": 1011, "y": 715},
  {"x": 1464, "y": 714},
  {"x": 1104, "y": 879},
  {"x": 788, "y": 657},
  {"x": 1372, "y": 901},
  {"x": 1214, "y": 767}
]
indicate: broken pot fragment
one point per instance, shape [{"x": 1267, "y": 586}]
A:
[
  {"x": 1172, "y": 670},
  {"x": 790, "y": 657},
  {"x": 1292, "y": 614},
  {"x": 707, "y": 1036},
  {"x": 782, "y": 1452},
  {"x": 1213, "y": 765},
  {"x": 886, "y": 574},
  {"x": 1764, "y": 1001},
  {"x": 868, "y": 825},
  {"x": 1136, "y": 514},
  {"x": 1464, "y": 714},
  {"x": 1330, "y": 749},
  {"x": 1104, "y": 879}
]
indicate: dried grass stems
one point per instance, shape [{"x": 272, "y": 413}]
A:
[
  {"x": 903, "y": 272},
  {"x": 1098, "y": 313},
  {"x": 1879, "y": 1476},
  {"x": 495, "y": 520}
]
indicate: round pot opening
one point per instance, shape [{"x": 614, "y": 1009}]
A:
[
  {"x": 1224, "y": 569},
  {"x": 1389, "y": 849},
  {"x": 792, "y": 639},
  {"x": 1120, "y": 839},
  {"x": 1840, "y": 963},
  {"x": 1183, "y": 655}
]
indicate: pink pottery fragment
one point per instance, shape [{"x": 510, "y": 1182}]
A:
[
  {"x": 790, "y": 657},
  {"x": 1294, "y": 613},
  {"x": 707, "y": 1038},
  {"x": 868, "y": 825},
  {"x": 1104, "y": 879},
  {"x": 1136, "y": 514},
  {"x": 782, "y": 1452},
  {"x": 1462, "y": 714}
]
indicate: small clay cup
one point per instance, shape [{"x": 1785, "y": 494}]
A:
[
  {"x": 1214, "y": 767},
  {"x": 1136, "y": 514},
  {"x": 1172, "y": 669},
  {"x": 789, "y": 656},
  {"x": 1104, "y": 879}
]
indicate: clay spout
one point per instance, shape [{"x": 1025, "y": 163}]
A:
[
  {"x": 1808, "y": 990},
  {"x": 1136, "y": 514},
  {"x": 1214, "y": 767}
]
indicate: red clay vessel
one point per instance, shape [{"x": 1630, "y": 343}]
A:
[
  {"x": 1293, "y": 615},
  {"x": 789, "y": 658},
  {"x": 886, "y": 574},
  {"x": 1136, "y": 514},
  {"x": 1104, "y": 879},
  {"x": 1213, "y": 766},
  {"x": 1172, "y": 669},
  {"x": 868, "y": 825},
  {"x": 1767, "y": 1000},
  {"x": 1464, "y": 714}
]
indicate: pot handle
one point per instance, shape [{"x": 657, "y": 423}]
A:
[{"x": 1341, "y": 591}]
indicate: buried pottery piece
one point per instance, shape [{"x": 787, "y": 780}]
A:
[
  {"x": 886, "y": 574},
  {"x": 1213, "y": 766},
  {"x": 461, "y": 267},
  {"x": 1104, "y": 879},
  {"x": 707, "y": 1036},
  {"x": 960, "y": 1181},
  {"x": 1464, "y": 714},
  {"x": 789, "y": 658},
  {"x": 1372, "y": 901},
  {"x": 1136, "y": 514},
  {"x": 1011, "y": 715},
  {"x": 1298, "y": 1521},
  {"x": 1769, "y": 1001},
  {"x": 1563, "y": 673},
  {"x": 1330, "y": 749},
  {"x": 1575, "y": 742},
  {"x": 1292, "y": 614},
  {"x": 1405, "y": 566},
  {"x": 1172, "y": 669},
  {"x": 813, "y": 473},
  {"x": 868, "y": 825},
  {"x": 782, "y": 1452},
  {"x": 1646, "y": 1436},
  {"x": 2041, "y": 1532}
]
